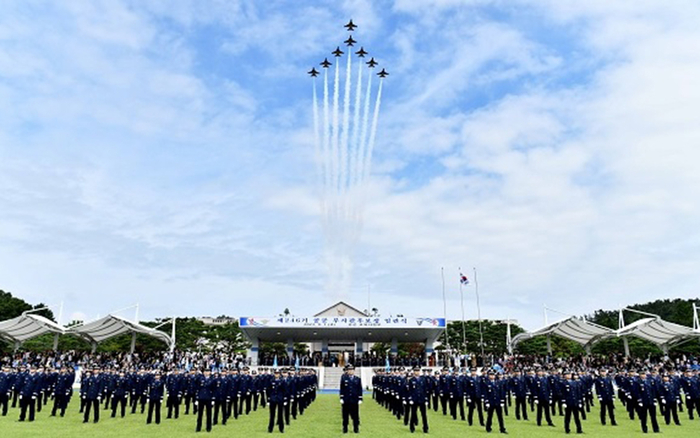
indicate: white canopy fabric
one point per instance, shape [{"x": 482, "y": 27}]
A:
[
  {"x": 111, "y": 326},
  {"x": 658, "y": 331},
  {"x": 27, "y": 326},
  {"x": 576, "y": 329}
]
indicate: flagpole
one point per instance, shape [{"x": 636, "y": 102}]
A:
[
  {"x": 444, "y": 306},
  {"x": 478, "y": 310},
  {"x": 461, "y": 293}
]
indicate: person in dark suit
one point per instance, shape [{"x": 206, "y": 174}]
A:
[
  {"x": 120, "y": 394},
  {"x": 493, "y": 392},
  {"x": 277, "y": 399},
  {"x": 572, "y": 398},
  {"x": 28, "y": 394},
  {"x": 644, "y": 394},
  {"x": 418, "y": 396},
  {"x": 350, "y": 398},
  {"x": 205, "y": 399},
  {"x": 543, "y": 397},
  {"x": 670, "y": 395},
  {"x": 606, "y": 396},
  {"x": 93, "y": 395},
  {"x": 175, "y": 385},
  {"x": 155, "y": 392},
  {"x": 5, "y": 389},
  {"x": 518, "y": 387}
]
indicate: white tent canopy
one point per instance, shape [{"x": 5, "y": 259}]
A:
[
  {"x": 662, "y": 333},
  {"x": 111, "y": 326},
  {"x": 28, "y": 326},
  {"x": 576, "y": 329}
]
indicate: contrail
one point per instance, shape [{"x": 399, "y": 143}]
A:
[
  {"x": 355, "y": 144},
  {"x": 326, "y": 153},
  {"x": 336, "y": 138},
  {"x": 373, "y": 135},
  {"x": 344, "y": 140},
  {"x": 317, "y": 149}
]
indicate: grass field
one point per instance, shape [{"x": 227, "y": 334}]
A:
[{"x": 322, "y": 419}]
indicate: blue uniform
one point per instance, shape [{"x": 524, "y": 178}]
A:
[{"x": 350, "y": 398}]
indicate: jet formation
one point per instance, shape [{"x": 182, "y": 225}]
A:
[{"x": 360, "y": 53}]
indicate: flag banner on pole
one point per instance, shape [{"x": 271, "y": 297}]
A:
[{"x": 463, "y": 279}]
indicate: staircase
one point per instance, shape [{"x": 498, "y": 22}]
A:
[{"x": 331, "y": 379}]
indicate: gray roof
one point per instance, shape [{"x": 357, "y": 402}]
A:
[{"x": 27, "y": 326}]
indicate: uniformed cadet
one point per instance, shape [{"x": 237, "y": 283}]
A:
[
  {"x": 174, "y": 384},
  {"x": 691, "y": 390},
  {"x": 444, "y": 385},
  {"x": 417, "y": 399},
  {"x": 205, "y": 399},
  {"x": 350, "y": 398},
  {"x": 606, "y": 397},
  {"x": 645, "y": 396},
  {"x": 93, "y": 395},
  {"x": 28, "y": 394},
  {"x": 154, "y": 395},
  {"x": 190, "y": 391},
  {"x": 245, "y": 391},
  {"x": 572, "y": 400},
  {"x": 543, "y": 397},
  {"x": 494, "y": 398},
  {"x": 456, "y": 394},
  {"x": 233, "y": 393},
  {"x": 518, "y": 388},
  {"x": 473, "y": 384},
  {"x": 5, "y": 389},
  {"x": 277, "y": 398},
  {"x": 670, "y": 396},
  {"x": 221, "y": 394},
  {"x": 120, "y": 394}
]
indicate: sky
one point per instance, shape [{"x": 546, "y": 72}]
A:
[{"x": 162, "y": 153}]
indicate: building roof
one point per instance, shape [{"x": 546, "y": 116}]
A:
[
  {"x": 658, "y": 331},
  {"x": 27, "y": 326},
  {"x": 341, "y": 308},
  {"x": 576, "y": 329},
  {"x": 111, "y": 326}
]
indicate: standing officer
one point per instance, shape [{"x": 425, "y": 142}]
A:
[
  {"x": 28, "y": 394},
  {"x": 155, "y": 392},
  {"x": 120, "y": 394},
  {"x": 691, "y": 389},
  {"x": 443, "y": 387},
  {"x": 205, "y": 399},
  {"x": 645, "y": 396},
  {"x": 350, "y": 398},
  {"x": 418, "y": 397},
  {"x": 572, "y": 398},
  {"x": 670, "y": 399},
  {"x": 543, "y": 397},
  {"x": 175, "y": 384},
  {"x": 494, "y": 398},
  {"x": 5, "y": 389},
  {"x": 61, "y": 391},
  {"x": 93, "y": 395},
  {"x": 277, "y": 399},
  {"x": 518, "y": 387},
  {"x": 606, "y": 396}
]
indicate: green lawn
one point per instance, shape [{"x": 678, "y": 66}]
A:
[{"x": 322, "y": 419}]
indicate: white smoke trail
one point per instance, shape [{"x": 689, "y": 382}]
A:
[
  {"x": 355, "y": 144},
  {"x": 326, "y": 155},
  {"x": 317, "y": 149},
  {"x": 335, "y": 140},
  {"x": 343, "y": 204},
  {"x": 373, "y": 135}
]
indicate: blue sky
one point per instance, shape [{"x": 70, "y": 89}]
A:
[{"x": 161, "y": 152}]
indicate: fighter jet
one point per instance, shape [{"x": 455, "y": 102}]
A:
[
  {"x": 361, "y": 53},
  {"x": 337, "y": 52},
  {"x": 349, "y": 42},
  {"x": 350, "y": 26},
  {"x": 383, "y": 74},
  {"x": 313, "y": 73},
  {"x": 371, "y": 63},
  {"x": 325, "y": 63}
]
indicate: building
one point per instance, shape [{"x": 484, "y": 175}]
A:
[{"x": 340, "y": 328}]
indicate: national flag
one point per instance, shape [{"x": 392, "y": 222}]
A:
[
  {"x": 296, "y": 364},
  {"x": 274, "y": 363},
  {"x": 387, "y": 366},
  {"x": 463, "y": 279}
]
